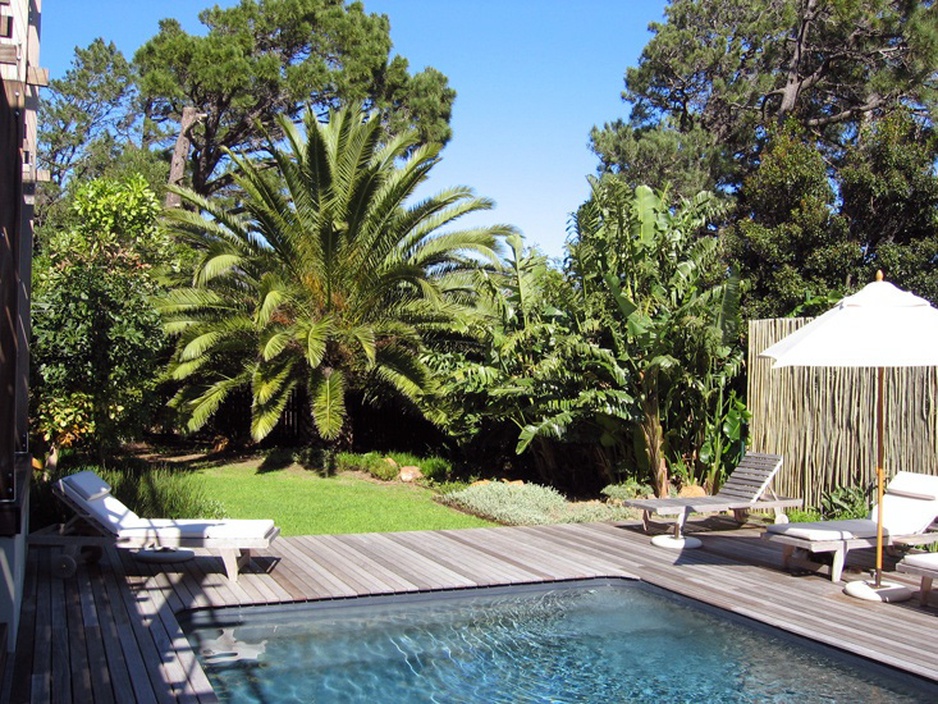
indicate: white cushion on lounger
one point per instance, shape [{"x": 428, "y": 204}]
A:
[
  {"x": 925, "y": 560},
  {"x": 88, "y": 485},
  {"x": 914, "y": 486},
  {"x": 827, "y": 530},
  {"x": 167, "y": 528}
]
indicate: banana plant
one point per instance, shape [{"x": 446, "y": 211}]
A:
[{"x": 649, "y": 271}]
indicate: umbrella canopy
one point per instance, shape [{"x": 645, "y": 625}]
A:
[{"x": 878, "y": 327}]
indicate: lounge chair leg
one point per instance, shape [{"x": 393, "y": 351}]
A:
[
  {"x": 679, "y": 525},
  {"x": 837, "y": 568},
  {"x": 646, "y": 518},
  {"x": 924, "y": 590},
  {"x": 740, "y": 515},
  {"x": 230, "y": 557},
  {"x": 787, "y": 552}
]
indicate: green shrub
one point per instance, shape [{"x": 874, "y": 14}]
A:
[
  {"x": 628, "y": 489},
  {"x": 450, "y": 487},
  {"x": 436, "y": 469},
  {"x": 845, "y": 502},
  {"x": 801, "y": 515},
  {"x": 372, "y": 462},
  {"x": 528, "y": 504}
]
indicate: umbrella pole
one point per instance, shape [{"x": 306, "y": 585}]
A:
[{"x": 880, "y": 474}]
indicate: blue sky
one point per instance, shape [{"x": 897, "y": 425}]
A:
[{"x": 532, "y": 78}]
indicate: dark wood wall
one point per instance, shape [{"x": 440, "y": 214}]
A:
[{"x": 11, "y": 125}]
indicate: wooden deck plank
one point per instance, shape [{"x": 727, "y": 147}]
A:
[
  {"x": 17, "y": 683},
  {"x": 79, "y": 665},
  {"x": 42, "y": 642},
  {"x": 120, "y": 638},
  {"x": 61, "y": 689},
  {"x": 113, "y": 647}
]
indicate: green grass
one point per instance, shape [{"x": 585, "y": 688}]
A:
[{"x": 304, "y": 503}]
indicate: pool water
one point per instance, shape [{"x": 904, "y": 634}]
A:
[{"x": 589, "y": 641}]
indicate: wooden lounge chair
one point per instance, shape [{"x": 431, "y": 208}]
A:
[
  {"x": 910, "y": 506},
  {"x": 925, "y": 565},
  {"x": 110, "y": 521},
  {"x": 748, "y": 487}
]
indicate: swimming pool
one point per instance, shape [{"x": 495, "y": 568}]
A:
[{"x": 585, "y": 641}]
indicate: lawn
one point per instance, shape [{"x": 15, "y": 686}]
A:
[{"x": 304, "y": 503}]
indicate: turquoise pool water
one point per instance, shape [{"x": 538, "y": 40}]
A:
[{"x": 589, "y": 641}]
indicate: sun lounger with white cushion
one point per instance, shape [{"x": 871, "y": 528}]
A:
[
  {"x": 94, "y": 505},
  {"x": 924, "y": 565},
  {"x": 748, "y": 487},
  {"x": 910, "y": 506}
]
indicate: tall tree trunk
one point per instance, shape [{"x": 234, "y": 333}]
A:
[
  {"x": 177, "y": 167},
  {"x": 795, "y": 81}
]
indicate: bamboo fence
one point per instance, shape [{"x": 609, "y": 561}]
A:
[{"x": 823, "y": 420}]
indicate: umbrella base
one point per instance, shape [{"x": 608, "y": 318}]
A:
[
  {"x": 672, "y": 543},
  {"x": 889, "y": 592}
]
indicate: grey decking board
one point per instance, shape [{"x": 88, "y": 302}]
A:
[
  {"x": 117, "y": 669},
  {"x": 79, "y": 665},
  {"x": 477, "y": 563},
  {"x": 728, "y": 572},
  {"x": 370, "y": 576},
  {"x": 60, "y": 669},
  {"x": 42, "y": 644},
  {"x": 373, "y": 562},
  {"x": 547, "y": 565},
  {"x": 149, "y": 632}
]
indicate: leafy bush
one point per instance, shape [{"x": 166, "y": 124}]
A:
[
  {"x": 628, "y": 489},
  {"x": 845, "y": 502},
  {"x": 436, "y": 469},
  {"x": 803, "y": 515},
  {"x": 528, "y": 504},
  {"x": 371, "y": 462}
]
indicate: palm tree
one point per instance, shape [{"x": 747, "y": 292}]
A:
[{"x": 325, "y": 278}]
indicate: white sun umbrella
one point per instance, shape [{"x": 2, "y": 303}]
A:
[{"x": 878, "y": 327}]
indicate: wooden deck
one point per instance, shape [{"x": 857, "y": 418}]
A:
[{"x": 110, "y": 633}]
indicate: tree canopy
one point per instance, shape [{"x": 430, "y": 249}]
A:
[
  {"x": 260, "y": 60},
  {"x": 718, "y": 73}
]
